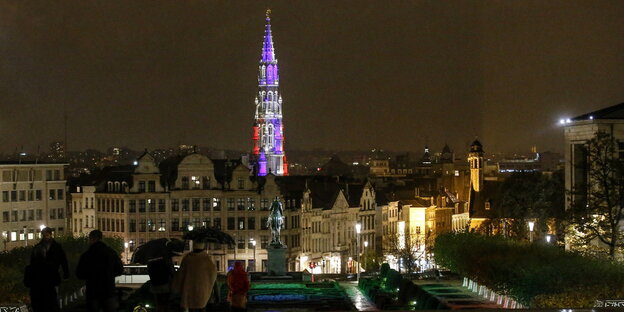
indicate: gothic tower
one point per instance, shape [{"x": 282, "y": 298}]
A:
[
  {"x": 475, "y": 159},
  {"x": 268, "y": 134}
]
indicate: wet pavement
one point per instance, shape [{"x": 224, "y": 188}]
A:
[{"x": 360, "y": 301}]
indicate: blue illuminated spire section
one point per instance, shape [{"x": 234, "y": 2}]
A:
[
  {"x": 268, "y": 52},
  {"x": 268, "y": 134}
]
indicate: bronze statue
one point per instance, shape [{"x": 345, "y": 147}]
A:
[{"x": 275, "y": 222}]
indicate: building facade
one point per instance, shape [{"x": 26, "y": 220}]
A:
[
  {"x": 33, "y": 196},
  {"x": 144, "y": 202}
]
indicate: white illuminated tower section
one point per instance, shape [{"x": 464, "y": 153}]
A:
[{"x": 268, "y": 134}]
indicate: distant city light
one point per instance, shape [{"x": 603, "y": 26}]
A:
[
  {"x": 135, "y": 163},
  {"x": 561, "y": 121},
  {"x": 23, "y": 154},
  {"x": 591, "y": 117},
  {"x": 568, "y": 120}
]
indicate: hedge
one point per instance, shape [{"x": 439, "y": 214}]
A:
[{"x": 537, "y": 275}]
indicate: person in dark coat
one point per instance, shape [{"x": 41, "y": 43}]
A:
[
  {"x": 99, "y": 266},
  {"x": 42, "y": 275},
  {"x": 160, "y": 271}
]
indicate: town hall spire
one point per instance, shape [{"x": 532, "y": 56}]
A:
[{"x": 268, "y": 134}]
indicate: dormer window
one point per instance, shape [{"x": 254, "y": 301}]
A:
[
  {"x": 195, "y": 181},
  {"x": 487, "y": 205},
  {"x": 151, "y": 186},
  {"x": 241, "y": 183},
  {"x": 185, "y": 183},
  {"x": 142, "y": 186}
]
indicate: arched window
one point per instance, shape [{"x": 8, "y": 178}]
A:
[
  {"x": 109, "y": 186},
  {"x": 263, "y": 136},
  {"x": 275, "y": 72},
  {"x": 270, "y": 132},
  {"x": 262, "y": 72},
  {"x": 270, "y": 96},
  {"x": 117, "y": 186},
  {"x": 270, "y": 73}
]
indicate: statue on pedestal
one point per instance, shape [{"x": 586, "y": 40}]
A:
[{"x": 275, "y": 222}]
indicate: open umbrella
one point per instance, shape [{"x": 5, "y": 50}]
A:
[
  {"x": 162, "y": 247},
  {"x": 209, "y": 234}
]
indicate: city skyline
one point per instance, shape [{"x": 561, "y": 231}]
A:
[{"x": 355, "y": 77}]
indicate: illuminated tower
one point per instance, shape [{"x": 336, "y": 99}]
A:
[
  {"x": 268, "y": 134},
  {"x": 475, "y": 158}
]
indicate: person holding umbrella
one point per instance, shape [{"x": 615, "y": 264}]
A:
[
  {"x": 158, "y": 254},
  {"x": 196, "y": 278}
]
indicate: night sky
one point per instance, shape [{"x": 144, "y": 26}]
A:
[{"x": 354, "y": 74}]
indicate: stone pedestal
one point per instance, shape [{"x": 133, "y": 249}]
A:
[{"x": 276, "y": 262}]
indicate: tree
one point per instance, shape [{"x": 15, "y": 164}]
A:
[
  {"x": 527, "y": 196},
  {"x": 596, "y": 219},
  {"x": 371, "y": 260},
  {"x": 408, "y": 248}
]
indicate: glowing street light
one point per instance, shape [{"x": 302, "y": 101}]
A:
[
  {"x": 5, "y": 236},
  {"x": 190, "y": 228},
  {"x": 126, "y": 245},
  {"x": 253, "y": 242},
  {"x": 365, "y": 247},
  {"x": 358, "y": 229},
  {"x": 531, "y": 226},
  {"x": 41, "y": 227}
]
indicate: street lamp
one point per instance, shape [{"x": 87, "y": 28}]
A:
[
  {"x": 190, "y": 228},
  {"x": 126, "y": 245},
  {"x": 41, "y": 227},
  {"x": 358, "y": 228},
  {"x": 253, "y": 242},
  {"x": 531, "y": 226},
  {"x": 548, "y": 238},
  {"x": 365, "y": 249},
  {"x": 5, "y": 236}
]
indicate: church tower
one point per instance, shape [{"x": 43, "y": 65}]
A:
[
  {"x": 475, "y": 159},
  {"x": 268, "y": 130}
]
